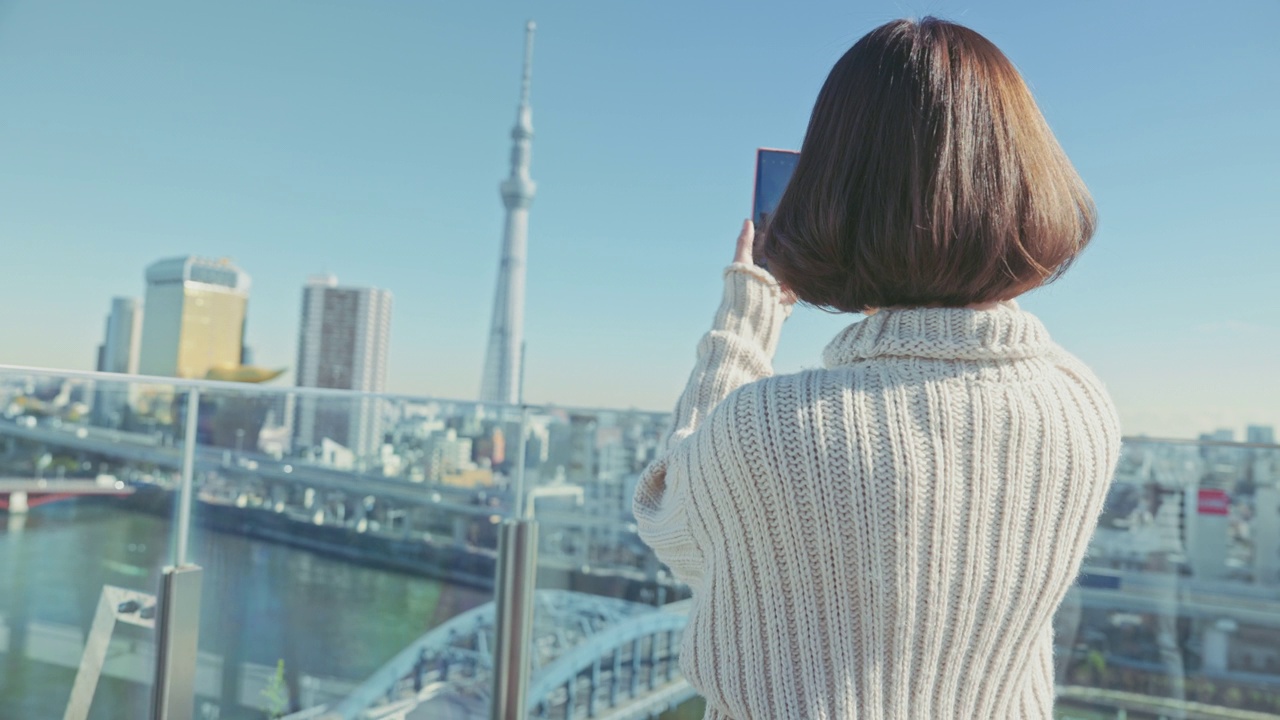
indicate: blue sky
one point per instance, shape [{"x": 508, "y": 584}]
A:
[{"x": 368, "y": 139}]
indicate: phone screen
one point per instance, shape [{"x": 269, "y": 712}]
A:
[{"x": 773, "y": 172}]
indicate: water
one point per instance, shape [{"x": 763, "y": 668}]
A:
[{"x": 330, "y": 622}]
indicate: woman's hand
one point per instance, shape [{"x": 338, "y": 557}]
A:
[
  {"x": 746, "y": 244},
  {"x": 745, "y": 254}
]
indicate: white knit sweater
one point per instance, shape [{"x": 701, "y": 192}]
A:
[{"x": 889, "y": 536}]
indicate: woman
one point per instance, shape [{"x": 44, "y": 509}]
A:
[{"x": 889, "y": 536}]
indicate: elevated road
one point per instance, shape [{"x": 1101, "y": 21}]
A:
[{"x": 145, "y": 448}]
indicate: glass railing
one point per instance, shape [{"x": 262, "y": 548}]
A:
[
  {"x": 1177, "y": 610},
  {"x": 348, "y": 546},
  {"x": 602, "y": 587},
  {"x": 80, "y": 563},
  {"x": 335, "y": 531}
]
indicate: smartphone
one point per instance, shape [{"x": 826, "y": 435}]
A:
[{"x": 773, "y": 172}]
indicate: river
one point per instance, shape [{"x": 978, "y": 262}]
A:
[{"x": 329, "y": 622}]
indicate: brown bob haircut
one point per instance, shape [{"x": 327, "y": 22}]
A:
[{"x": 928, "y": 177}]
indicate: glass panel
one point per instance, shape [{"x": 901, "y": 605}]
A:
[
  {"x": 599, "y": 580},
  {"x": 1178, "y": 606},
  {"x": 336, "y": 531},
  {"x": 328, "y": 563},
  {"x": 88, "y": 469}
]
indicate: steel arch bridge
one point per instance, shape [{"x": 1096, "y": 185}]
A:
[{"x": 593, "y": 657}]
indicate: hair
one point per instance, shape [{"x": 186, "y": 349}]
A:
[{"x": 927, "y": 177}]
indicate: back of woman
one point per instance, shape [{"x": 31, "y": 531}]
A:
[{"x": 890, "y": 535}]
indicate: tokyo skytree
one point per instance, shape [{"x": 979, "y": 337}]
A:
[{"x": 505, "y": 356}]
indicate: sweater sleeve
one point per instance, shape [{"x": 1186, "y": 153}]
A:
[{"x": 738, "y": 350}]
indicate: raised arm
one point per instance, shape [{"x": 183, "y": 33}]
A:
[{"x": 738, "y": 350}]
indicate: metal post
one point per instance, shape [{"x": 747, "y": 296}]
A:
[
  {"x": 515, "y": 583},
  {"x": 518, "y": 508},
  {"x": 188, "y": 472},
  {"x": 177, "y": 640},
  {"x": 672, "y": 654},
  {"x": 653, "y": 661},
  {"x": 615, "y": 677},
  {"x": 635, "y": 667},
  {"x": 178, "y": 602},
  {"x": 595, "y": 685}
]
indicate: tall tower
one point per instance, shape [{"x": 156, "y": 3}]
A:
[
  {"x": 505, "y": 356},
  {"x": 194, "y": 317},
  {"x": 342, "y": 344}
]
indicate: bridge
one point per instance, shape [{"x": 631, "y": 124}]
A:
[
  {"x": 447, "y": 519},
  {"x": 594, "y": 657},
  {"x": 19, "y": 494},
  {"x": 150, "y": 449}
]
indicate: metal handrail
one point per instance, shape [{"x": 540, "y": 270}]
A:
[{"x": 298, "y": 390}]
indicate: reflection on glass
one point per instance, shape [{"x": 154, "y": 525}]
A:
[
  {"x": 1179, "y": 599},
  {"x": 77, "y": 568}
]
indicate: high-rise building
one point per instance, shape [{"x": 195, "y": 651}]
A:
[
  {"x": 1261, "y": 434},
  {"x": 1206, "y": 523},
  {"x": 1266, "y": 535},
  {"x": 1264, "y": 462},
  {"x": 195, "y": 317},
  {"x": 505, "y": 355},
  {"x": 446, "y": 454},
  {"x": 342, "y": 345},
  {"x": 118, "y": 353}
]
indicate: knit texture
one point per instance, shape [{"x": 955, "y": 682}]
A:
[{"x": 886, "y": 537}]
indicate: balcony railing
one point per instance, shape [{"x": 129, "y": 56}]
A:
[{"x": 202, "y": 549}]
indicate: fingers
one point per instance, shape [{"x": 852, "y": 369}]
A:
[{"x": 746, "y": 241}]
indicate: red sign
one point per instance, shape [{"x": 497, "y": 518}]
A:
[{"x": 1213, "y": 502}]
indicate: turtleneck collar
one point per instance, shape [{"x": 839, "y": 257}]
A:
[{"x": 1004, "y": 332}]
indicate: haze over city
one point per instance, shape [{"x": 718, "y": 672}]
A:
[{"x": 368, "y": 141}]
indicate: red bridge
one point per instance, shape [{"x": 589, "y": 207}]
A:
[{"x": 19, "y": 494}]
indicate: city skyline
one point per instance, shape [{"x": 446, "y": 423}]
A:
[{"x": 379, "y": 160}]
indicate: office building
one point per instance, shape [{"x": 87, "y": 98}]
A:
[
  {"x": 447, "y": 454},
  {"x": 1260, "y": 434},
  {"x": 195, "y": 317},
  {"x": 1206, "y": 522},
  {"x": 1266, "y": 535},
  {"x": 118, "y": 353},
  {"x": 342, "y": 345}
]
